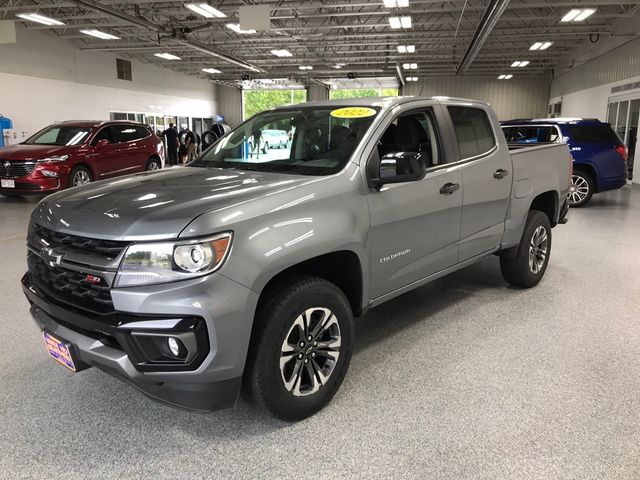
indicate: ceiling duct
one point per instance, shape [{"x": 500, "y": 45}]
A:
[
  {"x": 487, "y": 23},
  {"x": 181, "y": 38}
]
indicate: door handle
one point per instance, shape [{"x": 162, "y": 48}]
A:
[
  {"x": 449, "y": 188},
  {"x": 500, "y": 173}
]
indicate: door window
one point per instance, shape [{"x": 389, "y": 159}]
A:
[
  {"x": 412, "y": 132},
  {"x": 473, "y": 131},
  {"x": 104, "y": 134},
  {"x": 128, "y": 133},
  {"x": 593, "y": 133}
]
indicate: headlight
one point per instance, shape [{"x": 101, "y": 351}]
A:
[
  {"x": 152, "y": 263},
  {"x": 54, "y": 159}
]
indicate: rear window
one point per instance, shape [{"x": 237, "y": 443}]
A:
[
  {"x": 593, "y": 134},
  {"x": 530, "y": 135},
  {"x": 473, "y": 131}
]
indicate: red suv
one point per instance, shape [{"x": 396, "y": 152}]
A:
[{"x": 73, "y": 153}]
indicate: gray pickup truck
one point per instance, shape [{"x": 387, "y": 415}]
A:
[{"x": 243, "y": 274}]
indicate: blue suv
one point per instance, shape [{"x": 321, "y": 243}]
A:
[{"x": 599, "y": 156}]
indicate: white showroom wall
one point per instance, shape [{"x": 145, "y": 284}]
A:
[
  {"x": 592, "y": 102},
  {"x": 515, "y": 98},
  {"x": 585, "y": 90},
  {"x": 44, "y": 79}
]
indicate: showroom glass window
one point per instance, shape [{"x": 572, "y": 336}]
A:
[
  {"x": 473, "y": 131},
  {"x": 308, "y": 141},
  {"x": 59, "y": 135},
  {"x": 531, "y": 134}
]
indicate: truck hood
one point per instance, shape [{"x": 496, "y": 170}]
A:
[
  {"x": 155, "y": 205},
  {"x": 31, "y": 152}
]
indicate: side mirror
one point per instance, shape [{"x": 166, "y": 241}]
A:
[
  {"x": 101, "y": 143},
  {"x": 398, "y": 167}
]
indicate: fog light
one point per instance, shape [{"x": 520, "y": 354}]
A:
[{"x": 173, "y": 345}]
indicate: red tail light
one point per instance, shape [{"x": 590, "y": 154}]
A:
[{"x": 622, "y": 151}]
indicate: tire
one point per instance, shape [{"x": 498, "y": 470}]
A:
[
  {"x": 530, "y": 262},
  {"x": 265, "y": 149},
  {"x": 581, "y": 189},
  {"x": 153, "y": 164},
  {"x": 79, "y": 176},
  {"x": 277, "y": 353}
]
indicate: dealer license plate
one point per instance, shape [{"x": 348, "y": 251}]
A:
[
  {"x": 59, "y": 350},
  {"x": 8, "y": 183}
]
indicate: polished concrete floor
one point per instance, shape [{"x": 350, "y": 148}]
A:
[{"x": 463, "y": 378}]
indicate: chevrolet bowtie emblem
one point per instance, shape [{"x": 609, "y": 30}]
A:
[{"x": 51, "y": 257}]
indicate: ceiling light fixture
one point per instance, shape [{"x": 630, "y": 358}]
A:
[
  {"x": 305, "y": 67},
  {"x": 400, "y": 22},
  {"x": 520, "y": 63},
  {"x": 406, "y": 49},
  {"x": 412, "y": 79},
  {"x": 282, "y": 53},
  {"x": 167, "y": 56},
  {"x": 34, "y": 17},
  {"x": 99, "y": 34},
  {"x": 396, "y": 3},
  {"x": 205, "y": 10},
  {"x": 236, "y": 28},
  {"x": 540, "y": 45},
  {"x": 211, "y": 70},
  {"x": 501, "y": 77},
  {"x": 410, "y": 66},
  {"x": 508, "y": 77},
  {"x": 578, "y": 14},
  {"x": 339, "y": 65}
]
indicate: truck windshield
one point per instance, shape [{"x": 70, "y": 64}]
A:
[
  {"x": 305, "y": 140},
  {"x": 59, "y": 135}
]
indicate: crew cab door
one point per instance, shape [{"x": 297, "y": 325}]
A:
[
  {"x": 105, "y": 155},
  {"x": 133, "y": 156},
  {"x": 486, "y": 175},
  {"x": 415, "y": 225}
]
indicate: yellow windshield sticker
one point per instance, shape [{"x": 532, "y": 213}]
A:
[{"x": 353, "y": 112}]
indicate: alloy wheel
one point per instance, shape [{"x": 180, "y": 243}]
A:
[
  {"x": 579, "y": 189},
  {"x": 81, "y": 177},
  {"x": 538, "y": 250},
  {"x": 310, "y": 351},
  {"x": 153, "y": 165}
]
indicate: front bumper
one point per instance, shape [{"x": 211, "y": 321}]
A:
[
  {"x": 34, "y": 183},
  {"x": 226, "y": 308}
]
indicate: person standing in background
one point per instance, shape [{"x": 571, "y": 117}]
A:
[
  {"x": 191, "y": 142},
  {"x": 171, "y": 136}
]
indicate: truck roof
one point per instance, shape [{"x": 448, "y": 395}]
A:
[{"x": 379, "y": 101}]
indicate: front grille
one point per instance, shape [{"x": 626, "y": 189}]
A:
[
  {"x": 69, "y": 286},
  {"x": 59, "y": 272},
  {"x": 15, "y": 169},
  {"x": 109, "y": 249}
]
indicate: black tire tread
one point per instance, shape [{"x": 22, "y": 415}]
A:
[
  {"x": 515, "y": 270},
  {"x": 255, "y": 387}
]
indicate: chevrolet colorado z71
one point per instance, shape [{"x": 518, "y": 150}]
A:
[{"x": 237, "y": 274}]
